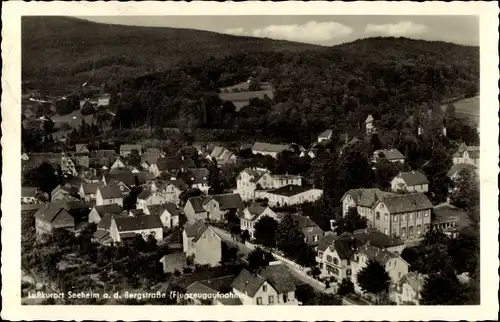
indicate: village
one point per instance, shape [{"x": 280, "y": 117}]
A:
[{"x": 255, "y": 238}]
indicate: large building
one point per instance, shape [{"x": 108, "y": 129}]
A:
[{"x": 252, "y": 179}]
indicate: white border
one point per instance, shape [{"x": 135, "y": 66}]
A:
[{"x": 11, "y": 84}]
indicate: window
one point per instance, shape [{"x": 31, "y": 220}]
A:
[
  {"x": 315, "y": 238},
  {"x": 411, "y": 216},
  {"x": 386, "y": 217},
  {"x": 285, "y": 298},
  {"x": 399, "y": 274},
  {"x": 328, "y": 258},
  {"x": 264, "y": 288},
  {"x": 377, "y": 216},
  {"x": 356, "y": 258},
  {"x": 410, "y": 231},
  {"x": 348, "y": 272},
  {"x": 403, "y": 232},
  {"x": 426, "y": 214},
  {"x": 305, "y": 239},
  {"x": 395, "y": 218},
  {"x": 385, "y": 231},
  {"x": 419, "y": 214},
  {"x": 335, "y": 261},
  {"x": 259, "y": 301},
  {"x": 419, "y": 230},
  {"x": 271, "y": 299},
  {"x": 389, "y": 263}
]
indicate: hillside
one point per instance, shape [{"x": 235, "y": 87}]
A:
[{"x": 65, "y": 50}]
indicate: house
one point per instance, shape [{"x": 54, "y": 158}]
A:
[
  {"x": 369, "y": 125},
  {"x": 29, "y": 195},
  {"x": 410, "y": 181},
  {"x": 213, "y": 291},
  {"x": 467, "y": 155},
  {"x": 222, "y": 156},
  {"x": 407, "y": 216},
  {"x": 212, "y": 207},
  {"x": 326, "y": 135},
  {"x": 81, "y": 155},
  {"x": 126, "y": 179},
  {"x": 376, "y": 238},
  {"x": 251, "y": 180},
  {"x": 146, "y": 198},
  {"x": 273, "y": 285},
  {"x": 207, "y": 246},
  {"x": 312, "y": 232},
  {"x": 98, "y": 212},
  {"x": 290, "y": 195},
  {"x": 169, "y": 214},
  {"x": 172, "y": 165},
  {"x": 102, "y": 158},
  {"x": 34, "y": 160},
  {"x": 88, "y": 191},
  {"x": 91, "y": 177},
  {"x": 129, "y": 226},
  {"x": 102, "y": 234},
  {"x": 394, "y": 265},
  {"x": 334, "y": 254},
  {"x": 149, "y": 162},
  {"x": 126, "y": 149},
  {"x": 67, "y": 165},
  {"x": 188, "y": 234},
  {"x": 53, "y": 216},
  {"x": 103, "y": 100},
  {"x": 120, "y": 163},
  {"x": 106, "y": 195},
  {"x": 449, "y": 219},
  {"x": 391, "y": 155},
  {"x": 408, "y": 290},
  {"x": 174, "y": 261},
  {"x": 347, "y": 145},
  {"x": 270, "y": 149},
  {"x": 457, "y": 170},
  {"x": 196, "y": 178},
  {"x": 171, "y": 190},
  {"x": 252, "y": 214},
  {"x": 63, "y": 193}
]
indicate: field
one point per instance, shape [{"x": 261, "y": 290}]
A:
[
  {"x": 468, "y": 109},
  {"x": 239, "y": 94}
]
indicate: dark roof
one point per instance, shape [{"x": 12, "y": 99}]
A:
[
  {"x": 212, "y": 286},
  {"x": 413, "y": 178},
  {"x": 201, "y": 231},
  {"x": 144, "y": 194},
  {"x": 127, "y": 177},
  {"x": 136, "y": 212},
  {"x": 195, "y": 229},
  {"x": 110, "y": 192},
  {"x": 377, "y": 254},
  {"x": 227, "y": 201},
  {"x": 457, "y": 168},
  {"x": 178, "y": 183},
  {"x": 158, "y": 209},
  {"x": 398, "y": 203},
  {"x": 90, "y": 188},
  {"x": 268, "y": 147},
  {"x": 127, "y": 235},
  {"x": 290, "y": 190},
  {"x": 132, "y": 223},
  {"x": 105, "y": 222},
  {"x": 197, "y": 176},
  {"x": 390, "y": 154},
  {"x": 303, "y": 221},
  {"x": 50, "y": 211},
  {"x": 175, "y": 163},
  {"x": 447, "y": 213},
  {"x": 326, "y": 241},
  {"x": 28, "y": 192},
  {"x": 376, "y": 238},
  {"x": 130, "y": 147},
  {"x": 345, "y": 245},
  {"x": 150, "y": 158},
  {"x": 31, "y": 206},
  {"x": 81, "y": 148},
  {"x": 248, "y": 283},
  {"x": 196, "y": 203},
  {"x": 366, "y": 197},
  {"x": 104, "y": 153},
  {"x": 255, "y": 209},
  {"x": 101, "y": 235},
  {"x": 280, "y": 277},
  {"x": 111, "y": 208}
]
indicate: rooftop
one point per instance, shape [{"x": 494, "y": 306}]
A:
[
  {"x": 268, "y": 147},
  {"x": 413, "y": 178}
]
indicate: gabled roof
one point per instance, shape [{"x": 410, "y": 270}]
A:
[
  {"x": 201, "y": 232},
  {"x": 226, "y": 201},
  {"x": 90, "y": 188},
  {"x": 268, "y": 147},
  {"x": 389, "y": 154},
  {"x": 178, "y": 183},
  {"x": 255, "y": 209},
  {"x": 415, "y": 280},
  {"x": 195, "y": 229},
  {"x": 280, "y": 277},
  {"x": 399, "y": 203},
  {"x": 290, "y": 190},
  {"x": 196, "y": 203},
  {"x": 81, "y": 148},
  {"x": 175, "y": 163},
  {"x": 376, "y": 238},
  {"x": 369, "y": 118},
  {"x": 457, "y": 168},
  {"x": 472, "y": 150},
  {"x": 145, "y": 194},
  {"x": 102, "y": 235},
  {"x": 130, "y": 147},
  {"x": 303, "y": 221},
  {"x": 248, "y": 283},
  {"x": 197, "y": 176},
  {"x": 150, "y": 158},
  {"x": 377, "y": 254},
  {"x": 50, "y": 211},
  {"x": 132, "y": 223},
  {"x": 158, "y": 209},
  {"x": 255, "y": 173},
  {"x": 104, "y": 153},
  {"x": 111, "y": 208},
  {"x": 326, "y": 241},
  {"x": 217, "y": 152},
  {"x": 110, "y": 192},
  {"x": 127, "y": 177},
  {"x": 412, "y": 178},
  {"x": 447, "y": 213},
  {"x": 366, "y": 197},
  {"x": 28, "y": 192},
  {"x": 326, "y": 134},
  {"x": 105, "y": 222},
  {"x": 210, "y": 286}
]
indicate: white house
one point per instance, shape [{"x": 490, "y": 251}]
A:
[
  {"x": 273, "y": 285},
  {"x": 88, "y": 191},
  {"x": 251, "y": 215},
  {"x": 252, "y": 179},
  {"x": 408, "y": 290},
  {"x": 391, "y": 155},
  {"x": 98, "y": 212},
  {"x": 126, "y": 149},
  {"x": 467, "y": 155},
  {"x": 119, "y": 163},
  {"x": 29, "y": 195},
  {"x": 290, "y": 195},
  {"x": 411, "y": 181},
  {"x": 171, "y": 190},
  {"x": 129, "y": 226},
  {"x": 270, "y": 149},
  {"x": 168, "y": 212},
  {"x": 106, "y": 195},
  {"x": 146, "y": 198},
  {"x": 326, "y": 135},
  {"x": 369, "y": 125}
]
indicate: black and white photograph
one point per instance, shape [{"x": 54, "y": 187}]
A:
[{"x": 249, "y": 159}]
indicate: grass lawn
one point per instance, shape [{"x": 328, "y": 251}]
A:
[{"x": 241, "y": 98}]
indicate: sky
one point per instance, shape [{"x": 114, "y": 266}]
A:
[{"x": 322, "y": 30}]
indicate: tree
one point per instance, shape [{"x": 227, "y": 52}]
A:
[
  {"x": 265, "y": 231},
  {"x": 245, "y": 235},
  {"x": 442, "y": 289},
  {"x": 214, "y": 179},
  {"x": 259, "y": 258},
  {"x": 233, "y": 222},
  {"x": 315, "y": 272},
  {"x": 413, "y": 256},
  {"x": 130, "y": 201},
  {"x": 289, "y": 238},
  {"x": 186, "y": 194},
  {"x": 346, "y": 287},
  {"x": 466, "y": 193},
  {"x": 48, "y": 125},
  {"x": 87, "y": 108},
  {"x": 464, "y": 251},
  {"x": 43, "y": 177},
  {"x": 351, "y": 222},
  {"x": 373, "y": 278},
  {"x": 385, "y": 171},
  {"x": 134, "y": 158}
]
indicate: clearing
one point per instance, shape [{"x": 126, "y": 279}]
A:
[{"x": 239, "y": 94}]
